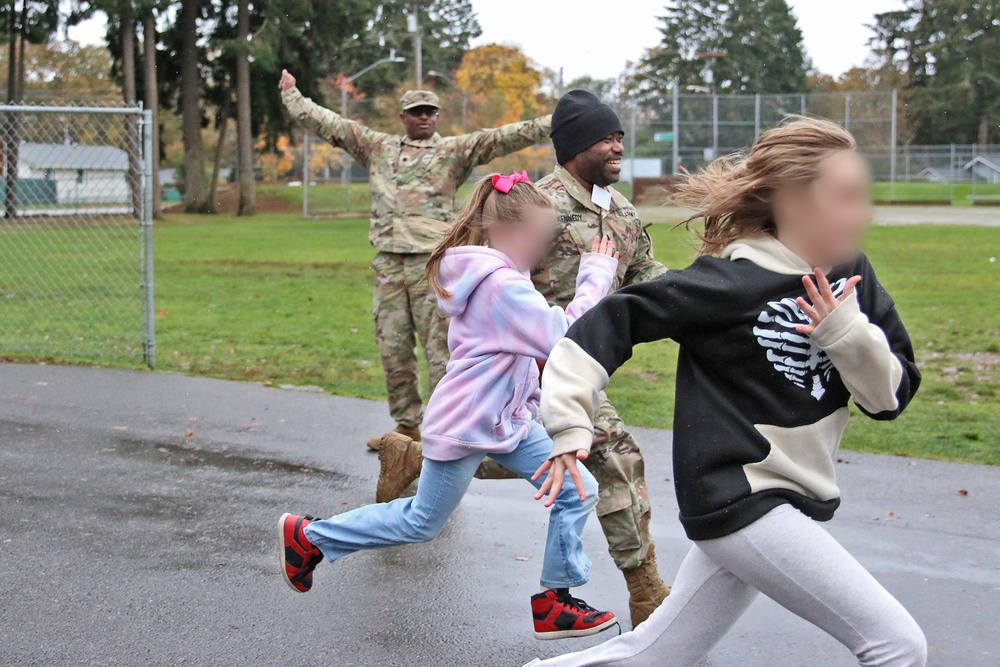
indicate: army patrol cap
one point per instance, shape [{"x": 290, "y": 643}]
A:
[{"x": 412, "y": 99}]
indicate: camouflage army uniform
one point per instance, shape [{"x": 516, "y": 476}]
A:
[
  {"x": 413, "y": 184},
  {"x": 615, "y": 459}
]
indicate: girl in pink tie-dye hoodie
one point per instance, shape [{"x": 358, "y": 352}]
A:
[{"x": 487, "y": 402}]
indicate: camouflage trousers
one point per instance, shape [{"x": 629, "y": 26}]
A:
[
  {"x": 623, "y": 506},
  {"x": 406, "y": 311}
]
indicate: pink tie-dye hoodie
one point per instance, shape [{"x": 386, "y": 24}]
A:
[{"x": 499, "y": 326}]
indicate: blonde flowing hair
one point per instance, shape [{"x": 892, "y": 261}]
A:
[
  {"x": 734, "y": 194},
  {"x": 486, "y": 206}
]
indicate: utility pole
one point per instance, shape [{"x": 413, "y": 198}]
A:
[
  {"x": 465, "y": 96},
  {"x": 393, "y": 58},
  {"x": 413, "y": 25},
  {"x": 711, "y": 57}
]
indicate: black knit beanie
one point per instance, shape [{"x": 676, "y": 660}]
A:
[{"x": 580, "y": 121}]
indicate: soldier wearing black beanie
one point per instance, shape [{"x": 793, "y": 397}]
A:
[
  {"x": 580, "y": 121},
  {"x": 587, "y": 137}
]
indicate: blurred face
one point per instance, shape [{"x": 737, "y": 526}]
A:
[
  {"x": 601, "y": 164},
  {"x": 420, "y": 122},
  {"x": 824, "y": 221},
  {"x": 528, "y": 240}
]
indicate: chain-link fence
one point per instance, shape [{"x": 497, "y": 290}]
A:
[
  {"x": 76, "y": 271},
  {"x": 691, "y": 130},
  {"x": 960, "y": 174},
  {"x": 685, "y": 131}
]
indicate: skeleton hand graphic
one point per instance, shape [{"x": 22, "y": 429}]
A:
[{"x": 789, "y": 348}]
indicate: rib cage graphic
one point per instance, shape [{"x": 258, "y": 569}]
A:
[{"x": 792, "y": 354}]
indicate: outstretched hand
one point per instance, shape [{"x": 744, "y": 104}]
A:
[
  {"x": 823, "y": 300},
  {"x": 287, "y": 81},
  {"x": 603, "y": 245},
  {"x": 557, "y": 467}
]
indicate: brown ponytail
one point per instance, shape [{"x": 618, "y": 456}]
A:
[
  {"x": 734, "y": 193},
  {"x": 484, "y": 207}
]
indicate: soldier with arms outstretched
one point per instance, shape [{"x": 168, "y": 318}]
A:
[{"x": 414, "y": 177}]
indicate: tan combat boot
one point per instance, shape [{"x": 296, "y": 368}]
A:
[
  {"x": 400, "y": 458},
  {"x": 645, "y": 589},
  {"x": 409, "y": 431}
]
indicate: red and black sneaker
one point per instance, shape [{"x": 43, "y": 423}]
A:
[
  {"x": 296, "y": 554},
  {"x": 559, "y": 615}
]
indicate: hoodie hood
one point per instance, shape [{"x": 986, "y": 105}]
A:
[
  {"x": 463, "y": 269},
  {"x": 768, "y": 253}
]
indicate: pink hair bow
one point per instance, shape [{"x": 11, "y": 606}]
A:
[{"x": 505, "y": 183}]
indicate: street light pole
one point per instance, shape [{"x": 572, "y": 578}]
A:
[
  {"x": 465, "y": 96},
  {"x": 393, "y": 58}
]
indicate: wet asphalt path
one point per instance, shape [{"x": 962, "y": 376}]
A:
[{"x": 137, "y": 516}]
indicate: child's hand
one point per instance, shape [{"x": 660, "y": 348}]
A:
[
  {"x": 557, "y": 468},
  {"x": 823, "y": 299},
  {"x": 603, "y": 245}
]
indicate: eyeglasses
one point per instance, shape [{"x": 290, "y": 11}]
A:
[{"x": 417, "y": 112}]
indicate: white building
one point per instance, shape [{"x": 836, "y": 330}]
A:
[
  {"x": 985, "y": 168},
  {"x": 82, "y": 174}
]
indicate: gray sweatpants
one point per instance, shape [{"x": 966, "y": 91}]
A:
[{"x": 788, "y": 557}]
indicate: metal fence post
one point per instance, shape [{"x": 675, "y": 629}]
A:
[
  {"x": 715, "y": 125},
  {"x": 847, "y": 112},
  {"x": 305, "y": 175},
  {"x": 892, "y": 148},
  {"x": 631, "y": 144},
  {"x": 756, "y": 116},
  {"x": 676, "y": 127},
  {"x": 803, "y": 100},
  {"x": 147, "y": 240},
  {"x": 951, "y": 176}
]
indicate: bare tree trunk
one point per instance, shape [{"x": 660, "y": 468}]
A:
[
  {"x": 220, "y": 146},
  {"x": 11, "y": 139},
  {"x": 244, "y": 140},
  {"x": 23, "y": 28},
  {"x": 984, "y": 130},
  {"x": 152, "y": 99},
  {"x": 194, "y": 152},
  {"x": 12, "y": 55},
  {"x": 128, "y": 88}
]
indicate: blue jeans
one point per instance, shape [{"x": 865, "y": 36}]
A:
[{"x": 441, "y": 488}]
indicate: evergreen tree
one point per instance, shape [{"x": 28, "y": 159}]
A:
[
  {"x": 760, "y": 38},
  {"x": 447, "y": 27},
  {"x": 950, "y": 51}
]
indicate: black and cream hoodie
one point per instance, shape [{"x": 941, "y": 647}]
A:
[{"x": 759, "y": 408}]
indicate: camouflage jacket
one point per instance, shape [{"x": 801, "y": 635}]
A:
[
  {"x": 413, "y": 182},
  {"x": 580, "y": 220}
]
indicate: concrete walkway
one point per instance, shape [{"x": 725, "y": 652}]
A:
[{"x": 138, "y": 529}]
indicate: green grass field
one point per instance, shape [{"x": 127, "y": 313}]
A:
[
  {"x": 959, "y": 194},
  {"x": 283, "y": 300},
  {"x": 334, "y": 199},
  {"x": 280, "y": 300},
  {"x": 331, "y": 199}
]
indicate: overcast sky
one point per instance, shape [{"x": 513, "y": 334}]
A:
[{"x": 598, "y": 42}]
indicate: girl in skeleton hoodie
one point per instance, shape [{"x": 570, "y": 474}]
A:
[
  {"x": 487, "y": 402},
  {"x": 781, "y": 323}
]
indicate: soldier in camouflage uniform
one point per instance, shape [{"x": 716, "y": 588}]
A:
[
  {"x": 413, "y": 182},
  {"x": 587, "y": 136}
]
